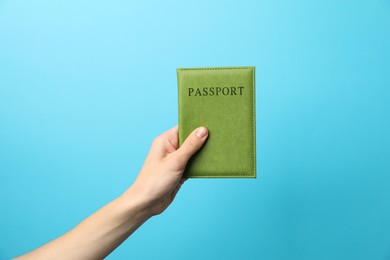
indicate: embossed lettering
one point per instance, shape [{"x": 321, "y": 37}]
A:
[{"x": 216, "y": 91}]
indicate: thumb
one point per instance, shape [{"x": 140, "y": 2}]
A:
[{"x": 192, "y": 144}]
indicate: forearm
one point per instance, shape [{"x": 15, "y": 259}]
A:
[{"x": 100, "y": 233}]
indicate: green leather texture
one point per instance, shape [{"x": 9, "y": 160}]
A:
[{"x": 223, "y": 100}]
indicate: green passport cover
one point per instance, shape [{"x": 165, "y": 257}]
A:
[{"x": 223, "y": 100}]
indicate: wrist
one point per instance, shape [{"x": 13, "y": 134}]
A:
[{"x": 135, "y": 203}]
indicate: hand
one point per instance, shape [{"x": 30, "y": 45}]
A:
[
  {"x": 161, "y": 175},
  {"x": 152, "y": 192}
]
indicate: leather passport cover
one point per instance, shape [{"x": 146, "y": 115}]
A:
[{"x": 223, "y": 100}]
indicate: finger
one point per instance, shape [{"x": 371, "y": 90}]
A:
[
  {"x": 166, "y": 142},
  {"x": 172, "y": 135},
  {"x": 192, "y": 144}
]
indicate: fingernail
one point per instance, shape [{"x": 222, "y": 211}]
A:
[{"x": 201, "y": 132}]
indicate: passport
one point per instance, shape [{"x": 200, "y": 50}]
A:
[{"x": 223, "y": 100}]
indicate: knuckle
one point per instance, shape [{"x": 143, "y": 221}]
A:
[{"x": 157, "y": 140}]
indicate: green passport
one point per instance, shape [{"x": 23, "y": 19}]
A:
[{"x": 223, "y": 100}]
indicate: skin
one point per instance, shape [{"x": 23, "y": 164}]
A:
[{"x": 151, "y": 193}]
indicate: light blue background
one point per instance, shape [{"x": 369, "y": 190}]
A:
[{"x": 85, "y": 86}]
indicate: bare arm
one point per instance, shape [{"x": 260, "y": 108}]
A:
[{"x": 152, "y": 192}]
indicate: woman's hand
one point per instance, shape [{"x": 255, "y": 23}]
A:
[{"x": 161, "y": 175}]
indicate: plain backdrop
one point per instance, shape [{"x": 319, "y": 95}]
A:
[{"x": 85, "y": 86}]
